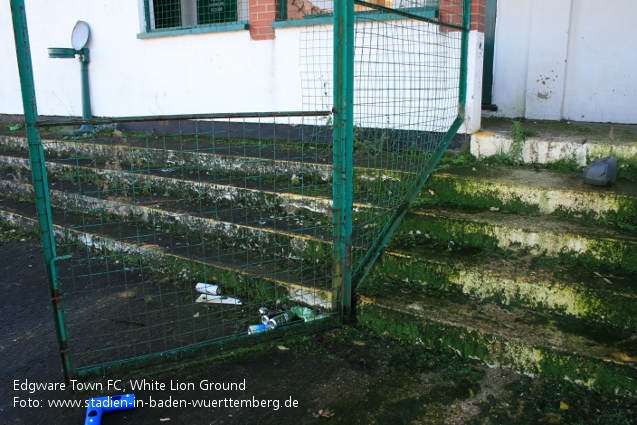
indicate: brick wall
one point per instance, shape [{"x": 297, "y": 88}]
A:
[
  {"x": 451, "y": 13},
  {"x": 478, "y": 10},
  {"x": 262, "y": 14}
]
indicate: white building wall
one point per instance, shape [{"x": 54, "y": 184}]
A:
[
  {"x": 566, "y": 59},
  {"x": 214, "y": 72},
  {"x": 186, "y": 74},
  {"x": 601, "y": 82}
]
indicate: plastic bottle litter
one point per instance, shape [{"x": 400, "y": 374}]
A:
[
  {"x": 317, "y": 317},
  {"x": 304, "y": 313}
]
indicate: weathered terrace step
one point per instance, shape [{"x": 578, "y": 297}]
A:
[
  {"x": 526, "y": 190},
  {"x": 539, "y": 235},
  {"x": 269, "y": 169},
  {"x": 538, "y": 283},
  {"x": 228, "y": 242},
  {"x": 197, "y": 197},
  {"x": 553, "y": 141},
  {"x": 310, "y": 203},
  {"x": 543, "y": 345},
  {"x": 189, "y": 262}
]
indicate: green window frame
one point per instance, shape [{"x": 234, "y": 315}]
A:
[{"x": 174, "y": 17}]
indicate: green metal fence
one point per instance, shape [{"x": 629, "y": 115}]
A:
[{"x": 275, "y": 210}]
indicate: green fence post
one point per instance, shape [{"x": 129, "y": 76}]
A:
[
  {"x": 376, "y": 248},
  {"x": 343, "y": 150},
  {"x": 38, "y": 172}
]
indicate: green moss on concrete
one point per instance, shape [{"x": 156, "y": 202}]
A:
[
  {"x": 602, "y": 376},
  {"x": 604, "y": 253},
  {"x": 472, "y": 192},
  {"x": 578, "y": 296}
]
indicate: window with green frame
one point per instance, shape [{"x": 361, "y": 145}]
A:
[{"x": 175, "y": 14}]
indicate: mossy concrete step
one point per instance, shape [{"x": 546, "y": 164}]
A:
[
  {"x": 539, "y": 235},
  {"x": 545, "y": 149},
  {"x": 180, "y": 267},
  {"x": 538, "y": 344},
  {"x": 305, "y": 203},
  {"x": 526, "y": 190},
  {"x": 140, "y": 158},
  {"x": 124, "y": 185},
  {"x": 294, "y": 175},
  {"x": 519, "y": 279},
  {"x": 269, "y": 243}
]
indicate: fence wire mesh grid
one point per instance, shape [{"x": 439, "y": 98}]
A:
[
  {"x": 406, "y": 95},
  {"x": 170, "y": 235},
  {"x": 240, "y": 205}
]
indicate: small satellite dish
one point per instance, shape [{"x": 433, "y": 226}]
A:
[{"x": 80, "y": 35}]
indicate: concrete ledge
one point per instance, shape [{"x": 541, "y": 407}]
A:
[
  {"x": 540, "y": 235},
  {"x": 542, "y": 150},
  {"x": 565, "y": 290}
]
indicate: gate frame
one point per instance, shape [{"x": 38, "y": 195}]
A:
[
  {"x": 40, "y": 183},
  {"x": 344, "y": 281},
  {"x": 344, "y": 40}
]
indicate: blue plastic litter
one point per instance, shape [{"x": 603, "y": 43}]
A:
[{"x": 97, "y": 406}]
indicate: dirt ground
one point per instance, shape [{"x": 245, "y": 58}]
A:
[{"x": 347, "y": 375}]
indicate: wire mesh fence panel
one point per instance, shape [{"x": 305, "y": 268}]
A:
[
  {"x": 406, "y": 99},
  {"x": 407, "y": 104},
  {"x": 180, "y": 233},
  {"x": 163, "y": 237},
  {"x": 179, "y": 238}
]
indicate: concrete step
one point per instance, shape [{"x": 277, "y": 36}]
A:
[
  {"x": 537, "y": 344},
  {"x": 552, "y": 141},
  {"x": 532, "y": 191},
  {"x": 283, "y": 170},
  {"x": 519, "y": 279},
  {"x": 174, "y": 257},
  {"x": 603, "y": 248}
]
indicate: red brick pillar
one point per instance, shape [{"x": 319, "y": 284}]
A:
[
  {"x": 478, "y": 10},
  {"x": 451, "y": 13},
  {"x": 262, "y": 14}
]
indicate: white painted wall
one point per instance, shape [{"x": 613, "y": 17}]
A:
[
  {"x": 205, "y": 73},
  {"x": 566, "y": 59},
  {"x": 601, "y": 82},
  {"x": 10, "y": 96},
  {"x": 473, "y": 108},
  {"x": 213, "y": 72}
]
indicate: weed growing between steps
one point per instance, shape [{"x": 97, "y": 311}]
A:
[{"x": 9, "y": 233}]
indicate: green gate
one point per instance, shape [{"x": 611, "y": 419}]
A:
[{"x": 164, "y": 236}]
